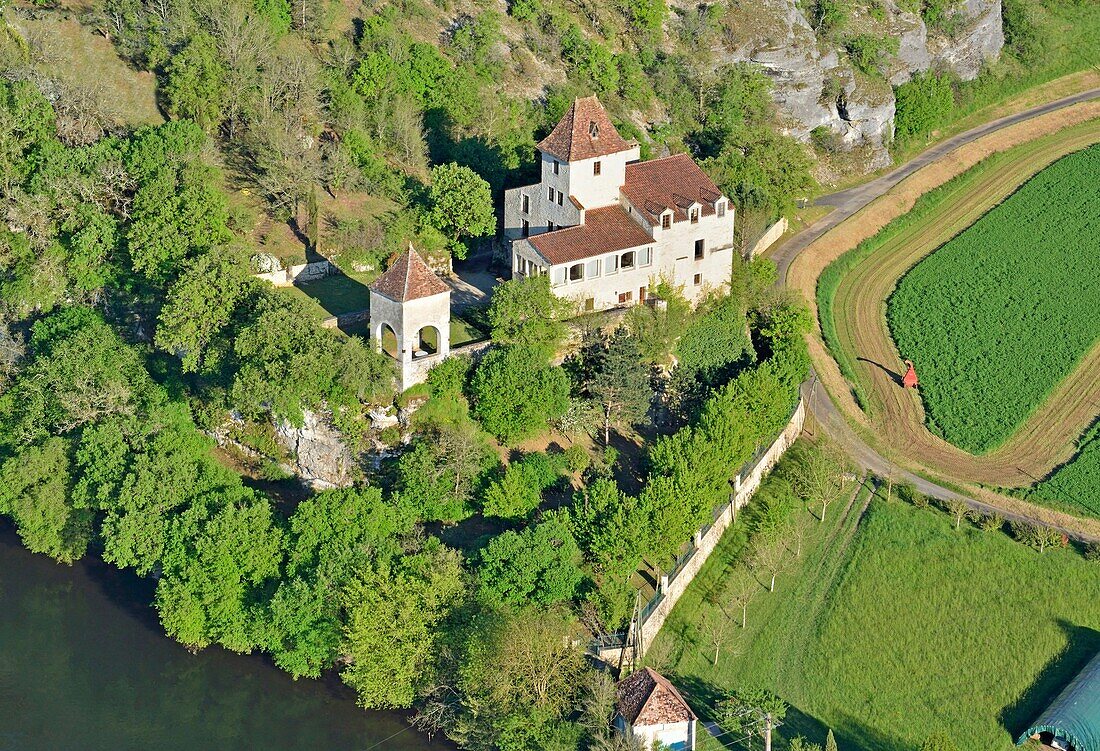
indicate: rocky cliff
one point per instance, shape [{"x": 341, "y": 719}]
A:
[{"x": 815, "y": 83}]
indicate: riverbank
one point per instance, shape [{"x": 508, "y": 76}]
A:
[{"x": 84, "y": 664}]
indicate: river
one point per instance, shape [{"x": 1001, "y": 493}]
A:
[{"x": 84, "y": 665}]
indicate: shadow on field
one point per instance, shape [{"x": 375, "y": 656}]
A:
[
  {"x": 1083, "y": 644},
  {"x": 895, "y": 377}
]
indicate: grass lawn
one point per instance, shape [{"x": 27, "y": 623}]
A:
[
  {"x": 998, "y": 316},
  {"x": 894, "y": 625},
  {"x": 334, "y": 295}
]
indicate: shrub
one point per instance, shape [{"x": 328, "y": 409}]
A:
[
  {"x": 1092, "y": 552},
  {"x": 991, "y": 522},
  {"x": 577, "y": 459},
  {"x": 867, "y": 51},
  {"x": 925, "y": 102}
]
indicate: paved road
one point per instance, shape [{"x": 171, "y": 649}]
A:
[{"x": 848, "y": 202}]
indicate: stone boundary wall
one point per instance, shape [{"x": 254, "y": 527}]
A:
[
  {"x": 673, "y": 586},
  {"x": 303, "y": 272},
  {"x": 335, "y": 322},
  {"x": 771, "y": 234}
]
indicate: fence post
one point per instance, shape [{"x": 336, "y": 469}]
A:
[{"x": 663, "y": 584}]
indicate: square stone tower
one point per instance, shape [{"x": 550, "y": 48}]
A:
[{"x": 410, "y": 317}]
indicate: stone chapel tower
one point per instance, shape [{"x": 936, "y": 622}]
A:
[{"x": 410, "y": 317}]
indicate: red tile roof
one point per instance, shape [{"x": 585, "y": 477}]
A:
[
  {"x": 605, "y": 230},
  {"x": 408, "y": 278},
  {"x": 647, "y": 698},
  {"x": 674, "y": 182},
  {"x": 572, "y": 138}
]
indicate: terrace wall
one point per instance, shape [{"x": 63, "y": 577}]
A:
[{"x": 612, "y": 647}]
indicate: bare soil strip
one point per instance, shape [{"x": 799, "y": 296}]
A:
[{"x": 897, "y": 419}]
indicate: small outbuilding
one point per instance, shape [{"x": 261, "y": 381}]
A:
[
  {"x": 1072, "y": 721},
  {"x": 650, "y": 709}
]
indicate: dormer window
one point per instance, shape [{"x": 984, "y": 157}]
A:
[
  {"x": 593, "y": 130},
  {"x": 666, "y": 220},
  {"x": 695, "y": 215},
  {"x": 720, "y": 209}
]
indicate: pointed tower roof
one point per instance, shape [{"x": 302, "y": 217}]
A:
[
  {"x": 408, "y": 278},
  {"x": 584, "y": 132},
  {"x": 647, "y": 698}
]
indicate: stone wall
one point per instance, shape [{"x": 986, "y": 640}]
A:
[
  {"x": 772, "y": 234},
  {"x": 673, "y": 586},
  {"x": 303, "y": 272}
]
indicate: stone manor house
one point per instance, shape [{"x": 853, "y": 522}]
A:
[{"x": 604, "y": 226}]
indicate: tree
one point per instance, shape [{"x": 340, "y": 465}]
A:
[
  {"x": 195, "y": 88},
  {"x": 618, "y": 381},
  {"x": 393, "y": 627},
  {"x": 1036, "y": 536},
  {"x": 540, "y": 565},
  {"x": 716, "y": 628},
  {"x": 462, "y": 204},
  {"x": 830, "y": 741},
  {"x": 526, "y": 312},
  {"x": 958, "y": 509},
  {"x": 517, "y": 393},
  {"x": 766, "y": 556},
  {"x": 798, "y": 743},
  {"x": 740, "y": 590},
  {"x": 924, "y": 103},
  {"x": 655, "y": 328},
  {"x": 200, "y": 306},
  {"x": 519, "y": 491},
  {"x": 34, "y": 491},
  {"x": 819, "y": 477},
  {"x": 443, "y": 471},
  {"x": 220, "y": 553},
  {"x": 752, "y": 711}
]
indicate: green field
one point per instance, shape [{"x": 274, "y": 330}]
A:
[
  {"x": 896, "y": 628},
  {"x": 998, "y": 316},
  {"x": 1076, "y": 482}
]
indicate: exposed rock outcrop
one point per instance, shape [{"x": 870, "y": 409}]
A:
[
  {"x": 321, "y": 459},
  {"x": 815, "y": 85}
]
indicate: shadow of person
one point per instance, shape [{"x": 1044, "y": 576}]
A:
[{"x": 893, "y": 375}]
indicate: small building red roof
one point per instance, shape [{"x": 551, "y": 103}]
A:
[
  {"x": 674, "y": 182},
  {"x": 605, "y": 230},
  {"x": 408, "y": 278},
  {"x": 647, "y": 698},
  {"x": 584, "y": 132}
]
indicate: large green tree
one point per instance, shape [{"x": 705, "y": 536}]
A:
[
  {"x": 461, "y": 204},
  {"x": 517, "y": 392},
  {"x": 393, "y": 634}
]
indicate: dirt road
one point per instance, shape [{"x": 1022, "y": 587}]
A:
[{"x": 899, "y": 432}]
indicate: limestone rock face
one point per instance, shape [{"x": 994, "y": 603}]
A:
[
  {"x": 815, "y": 85},
  {"x": 978, "y": 39},
  {"x": 321, "y": 459}
]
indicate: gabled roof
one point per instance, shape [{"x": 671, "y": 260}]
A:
[
  {"x": 647, "y": 698},
  {"x": 605, "y": 230},
  {"x": 1075, "y": 713},
  {"x": 584, "y": 132},
  {"x": 408, "y": 278},
  {"x": 674, "y": 182}
]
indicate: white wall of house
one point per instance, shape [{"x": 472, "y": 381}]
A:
[
  {"x": 610, "y": 279},
  {"x": 680, "y": 736}
]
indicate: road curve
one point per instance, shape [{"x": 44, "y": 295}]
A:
[
  {"x": 824, "y": 410},
  {"x": 848, "y": 202}
]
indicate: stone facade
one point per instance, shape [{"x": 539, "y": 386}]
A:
[
  {"x": 410, "y": 301},
  {"x": 606, "y": 227}
]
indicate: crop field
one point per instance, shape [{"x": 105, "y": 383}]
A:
[
  {"x": 1075, "y": 484},
  {"x": 852, "y": 294},
  {"x": 998, "y": 316},
  {"x": 895, "y": 625}
]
